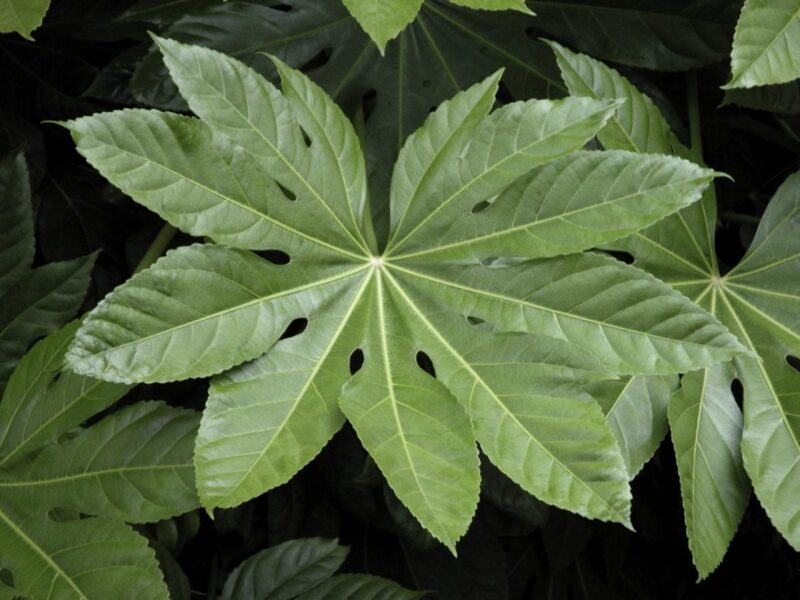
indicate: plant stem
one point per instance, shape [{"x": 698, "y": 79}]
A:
[
  {"x": 157, "y": 247},
  {"x": 695, "y": 132},
  {"x": 735, "y": 217}
]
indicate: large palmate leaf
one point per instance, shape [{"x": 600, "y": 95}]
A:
[
  {"x": 134, "y": 465},
  {"x": 304, "y": 568},
  {"x": 33, "y": 301},
  {"x": 22, "y": 16},
  {"x": 512, "y": 345},
  {"x": 757, "y": 300},
  {"x": 384, "y": 19},
  {"x": 671, "y": 36},
  {"x": 444, "y": 50},
  {"x": 765, "y": 45}
]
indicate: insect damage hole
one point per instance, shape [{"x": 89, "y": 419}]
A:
[
  {"x": 276, "y": 257},
  {"x": 296, "y": 327},
  {"x": 425, "y": 363},
  {"x": 793, "y": 362},
  {"x": 288, "y": 194},
  {"x": 356, "y": 361}
]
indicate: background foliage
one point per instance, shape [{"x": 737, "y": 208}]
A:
[{"x": 96, "y": 56}]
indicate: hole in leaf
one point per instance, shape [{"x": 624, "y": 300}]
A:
[
  {"x": 738, "y": 392},
  {"x": 425, "y": 363},
  {"x": 368, "y": 102},
  {"x": 479, "y": 323},
  {"x": 622, "y": 256},
  {"x": 320, "y": 59},
  {"x": 356, "y": 361},
  {"x": 793, "y": 362},
  {"x": 306, "y": 138},
  {"x": 288, "y": 194},
  {"x": 426, "y": 83},
  {"x": 294, "y": 328},
  {"x": 480, "y": 206},
  {"x": 276, "y": 257},
  {"x": 281, "y": 7}
]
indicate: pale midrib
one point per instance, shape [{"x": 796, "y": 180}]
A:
[
  {"x": 309, "y": 382},
  {"x": 226, "y": 198},
  {"x": 393, "y": 399},
  {"x": 27, "y": 437},
  {"x": 533, "y": 224},
  {"x": 92, "y": 474},
  {"x": 40, "y": 551},
  {"x": 760, "y": 363},
  {"x": 695, "y": 446},
  {"x": 313, "y": 113},
  {"x": 478, "y": 379},
  {"x": 764, "y": 315},
  {"x": 767, "y": 48},
  {"x": 433, "y": 162},
  {"x": 56, "y": 356},
  {"x": 547, "y": 309},
  {"x": 218, "y": 314},
  {"x": 245, "y": 118},
  {"x": 487, "y": 172}
]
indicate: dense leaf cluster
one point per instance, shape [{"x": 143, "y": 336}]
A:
[{"x": 438, "y": 285}]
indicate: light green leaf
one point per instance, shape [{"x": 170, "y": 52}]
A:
[
  {"x": 204, "y": 309},
  {"x": 636, "y": 410},
  {"x": 624, "y": 317},
  {"x": 445, "y": 50},
  {"x": 207, "y": 187},
  {"x": 36, "y": 408},
  {"x": 236, "y": 102},
  {"x": 762, "y": 297},
  {"x": 285, "y": 571},
  {"x": 76, "y": 560},
  {"x": 266, "y": 419},
  {"x": 383, "y": 19},
  {"x": 411, "y": 425},
  {"x": 637, "y": 125},
  {"x": 758, "y": 301},
  {"x": 135, "y": 465},
  {"x": 706, "y": 429},
  {"x": 441, "y": 139},
  {"x": 22, "y": 16},
  {"x": 360, "y": 587},
  {"x": 765, "y": 44},
  {"x": 532, "y": 420},
  {"x": 159, "y": 313},
  {"x": 507, "y": 144},
  {"x": 494, "y": 5},
  {"x": 532, "y": 219}
]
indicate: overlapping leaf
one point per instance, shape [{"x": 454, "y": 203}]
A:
[
  {"x": 757, "y": 300},
  {"x": 670, "y": 36},
  {"x": 22, "y": 16},
  {"x": 304, "y": 568},
  {"x": 444, "y": 50},
  {"x": 765, "y": 45},
  {"x": 33, "y": 301},
  {"x": 134, "y": 465},
  {"x": 291, "y": 179},
  {"x": 384, "y": 19}
]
